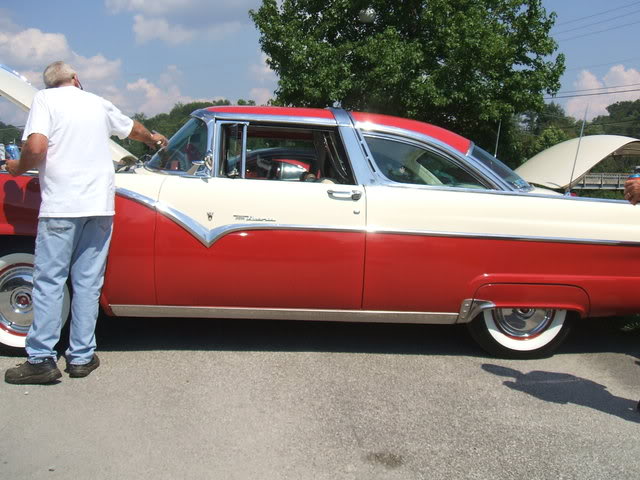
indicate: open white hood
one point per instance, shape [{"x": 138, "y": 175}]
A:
[
  {"x": 554, "y": 167},
  {"x": 19, "y": 91}
]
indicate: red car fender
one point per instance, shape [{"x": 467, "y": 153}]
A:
[{"x": 532, "y": 295}]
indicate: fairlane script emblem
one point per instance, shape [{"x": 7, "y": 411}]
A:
[
  {"x": 249, "y": 218},
  {"x": 210, "y": 215}
]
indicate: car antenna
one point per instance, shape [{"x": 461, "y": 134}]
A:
[{"x": 575, "y": 160}]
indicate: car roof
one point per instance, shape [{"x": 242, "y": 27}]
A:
[{"x": 364, "y": 120}]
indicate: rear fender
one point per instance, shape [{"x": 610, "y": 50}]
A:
[{"x": 529, "y": 295}]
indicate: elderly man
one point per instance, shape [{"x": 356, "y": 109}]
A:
[{"x": 66, "y": 138}]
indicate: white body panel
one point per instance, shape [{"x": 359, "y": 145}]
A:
[
  {"x": 240, "y": 201},
  {"x": 504, "y": 214}
]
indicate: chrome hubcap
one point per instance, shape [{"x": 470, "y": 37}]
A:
[
  {"x": 16, "y": 305},
  {"x": 522, "y": 323}
]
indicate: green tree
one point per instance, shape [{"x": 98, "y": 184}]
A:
[
  {"x": 623, "y": 119},
  {"x": 461, "y": 64},
  {"x": 9, "y": 134}
]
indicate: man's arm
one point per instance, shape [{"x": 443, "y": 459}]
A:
[
  {"x": 34, "y": 152},
  {"x": 140, "y": 133}
]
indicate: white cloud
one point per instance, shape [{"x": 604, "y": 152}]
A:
[
  {"x": 261, "y": 95},
  {"x": 32, "y": 47},
  {"x": 147, "y": 29},
  {"x": 261, "y": 72},
  {"x": 181, "y": 21},
  {"x": 151, "y": 99},
  {"x": 614, "y": 80}
]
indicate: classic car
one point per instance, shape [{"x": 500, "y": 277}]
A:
[{"x": 330, "y": 215}]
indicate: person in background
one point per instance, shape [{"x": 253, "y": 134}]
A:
[{"x": 66, "y": 138}]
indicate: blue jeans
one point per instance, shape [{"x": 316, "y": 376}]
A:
[{"x": 76, "y": 248}]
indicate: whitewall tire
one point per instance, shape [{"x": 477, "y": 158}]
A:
[
  {"x": 520, "y": 332},
  {"x": 16, "y": 305}
]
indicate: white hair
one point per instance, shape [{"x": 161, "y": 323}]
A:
[{"x": 57, "y": 73}]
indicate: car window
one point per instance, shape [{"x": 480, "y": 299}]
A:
[
  {"x": 189, "y": 144},
  {"x": 407, "y": 163},
  {"x": 282, "y": 153}
]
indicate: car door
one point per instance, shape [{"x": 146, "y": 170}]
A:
[
  {"x": 419, "y": 255},
  {"x": 255, "y": 234}
]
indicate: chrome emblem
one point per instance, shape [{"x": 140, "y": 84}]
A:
[
  {"x": 251, "y": 218},
  {"x": 210, "y": 215}
]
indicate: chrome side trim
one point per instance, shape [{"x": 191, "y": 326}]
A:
[
  {"x": 136, "y": 197},
  {"x": 497, "y": 236},
  {"x": 209, "y": 236},
  {"x": 368, "y": 316},
  {"x": 471, "y": 308}
]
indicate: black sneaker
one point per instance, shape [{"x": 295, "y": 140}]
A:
[
  {"x": 33, "y": 373},
  {"x": 78, "y": 371}
]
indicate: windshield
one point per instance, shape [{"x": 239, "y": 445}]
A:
[
  {"x": 189, "y": 144},
  {"x": 500, "y": 169}
]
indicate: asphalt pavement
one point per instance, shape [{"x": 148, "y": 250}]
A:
[{"x": 223, "y": 399}]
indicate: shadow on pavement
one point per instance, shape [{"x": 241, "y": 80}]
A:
[
  {"x": 267, "y": 335},
  {"x": 565, "y": 388},
  {"x": 124, "y": 334}
]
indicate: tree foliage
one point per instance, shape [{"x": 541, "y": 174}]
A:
[
  {"x": 461, "y": 64},
  {"x": 10, "y": 134}
]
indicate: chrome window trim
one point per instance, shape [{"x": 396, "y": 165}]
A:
[
  {"x": 469, "y": 164},
  {"x": 265, "y": 118},
  {"x": 425, "y": 141},
  {"x": 457, "y": 160},
  {"x": 321, "y": 315},
  {"x": 209, "y": 236},
  {"x": 210, "y": 130},
  {"x": 217, "y": 144}
]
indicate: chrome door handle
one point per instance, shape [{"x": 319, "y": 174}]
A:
[{"x": 342, "y": 195}]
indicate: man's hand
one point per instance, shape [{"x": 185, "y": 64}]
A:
[
  {"x": 632, "y": 190},
  {"x": 13, "y": 167},
  {"x": 158, "y": 141},
  {"x": 140, "y": 133}
]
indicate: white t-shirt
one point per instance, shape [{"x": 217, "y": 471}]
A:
[{"x": 77, "y": 178}]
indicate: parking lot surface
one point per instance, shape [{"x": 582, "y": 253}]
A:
[{"x": 223, "y": 399}]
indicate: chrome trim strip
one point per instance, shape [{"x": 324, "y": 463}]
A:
[
  {"x": 471, "y": 308},
  {"x": 208, "y": 237},
  {"x": 136, "y": 197},
  {"x": 368, "y": 316},
  {"x": 497, "y": 236},
  {"x": 254, "y": 118}
]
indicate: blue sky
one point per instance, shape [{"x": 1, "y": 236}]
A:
[{"x": 147, "y": 55}]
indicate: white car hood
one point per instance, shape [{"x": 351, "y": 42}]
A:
[
  {"x": 19, "y": 91},
  {"x": 554, "y": 167}
]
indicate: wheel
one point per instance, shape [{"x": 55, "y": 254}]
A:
[
  {"x": 520, "y": 332},
  {"x": 16, "y": 307}
]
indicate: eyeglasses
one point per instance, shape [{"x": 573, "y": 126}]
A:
[{"x": 78, "y": 80}]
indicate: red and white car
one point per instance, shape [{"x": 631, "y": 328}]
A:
[{"x": 329, "y": 215}]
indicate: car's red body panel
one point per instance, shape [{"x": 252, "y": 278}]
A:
[{"x": 20, "y": 202}]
